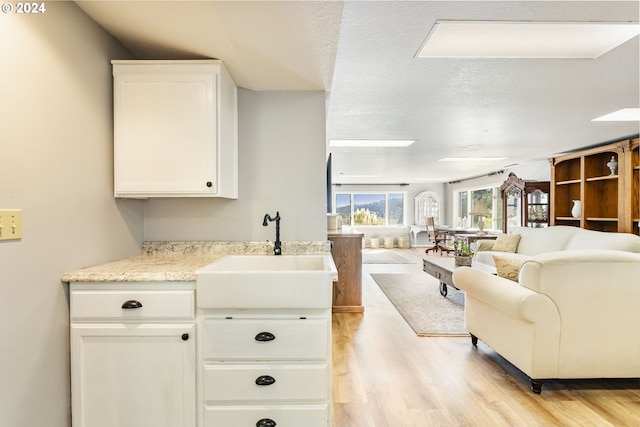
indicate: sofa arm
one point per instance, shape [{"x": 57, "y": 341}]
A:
[
  {"x": 484, "y": 244},
  {"x": 504, "y": 295}
]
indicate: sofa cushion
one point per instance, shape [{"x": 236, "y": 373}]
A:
[
  {"x": 508, "y": 266},
  {"x": 536, "y": 241},
  {"x": 506, "y": 243}
]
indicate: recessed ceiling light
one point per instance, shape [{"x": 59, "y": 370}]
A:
[
  {"x": 471, "y": 159},
  {"x": 525, "y": 39},
  {"x": 623, "y": 115},
  {"x": 370, "y": 142}
]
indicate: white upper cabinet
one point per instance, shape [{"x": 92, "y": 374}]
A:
[{"x": 175, "y": 129}]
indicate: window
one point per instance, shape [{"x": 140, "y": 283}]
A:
[
  {"x": 465, "y": 200},
  {"x": 371, "y": 209},
  {"x": 427, "y": 204}
]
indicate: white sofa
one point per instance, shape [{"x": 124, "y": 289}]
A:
[
  {"x": 572, "y": 314},
  {"x": 535, "y": 241}
]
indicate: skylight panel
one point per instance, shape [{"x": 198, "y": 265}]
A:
[{"x": 526, "y": 39}]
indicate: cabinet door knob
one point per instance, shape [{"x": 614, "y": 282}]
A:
[
  {"x": 130, "y": 304},
  {"x": 265, "y": 336},
  {"x": 266, "y": 422},
  {"x": 209, "y": 184},
  {"x": 185, "y": 337},
  {"x": 265, "y": 380}
]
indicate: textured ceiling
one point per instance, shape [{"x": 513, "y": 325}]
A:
[
  {"x": 266, "y": 45},
  {"x": 364, "y": 54}
]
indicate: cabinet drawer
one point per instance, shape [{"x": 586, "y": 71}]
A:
[
  {"x": 105, "y": 304},
  {"x": 266, "y": 382},
  {"x": 239, "y": 339},
  {"x": 282, "y": 415}
]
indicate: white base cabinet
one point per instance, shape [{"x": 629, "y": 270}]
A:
[
  {"x": 264, "y": 368},
  {"x": 133, "y": 356},
  {"x": 175, "y": 129},
  {"x": 264, "y": 341}
]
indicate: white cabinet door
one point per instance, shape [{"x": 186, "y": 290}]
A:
[
  {"x": 133, "y": 375},
  {"x": 175, "y": 129}
]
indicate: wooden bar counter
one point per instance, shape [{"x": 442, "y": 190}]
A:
[{"x": 347, "y": 254}]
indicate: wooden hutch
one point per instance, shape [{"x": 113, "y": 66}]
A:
[{"x": 524, "y": 203}]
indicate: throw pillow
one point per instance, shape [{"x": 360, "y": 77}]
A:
[
  {"x": 508, "y": 267},
  {"x": 506, "y": 243}
]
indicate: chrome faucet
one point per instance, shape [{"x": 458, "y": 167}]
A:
[{"x": 277, "y": 247}]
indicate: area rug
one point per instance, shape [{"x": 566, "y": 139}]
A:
[
  {"x": 382, "y": 256},
  {"x": 417, "y": 298}
]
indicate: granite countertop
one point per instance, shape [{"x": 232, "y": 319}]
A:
[{"x": 178, "y": 261}]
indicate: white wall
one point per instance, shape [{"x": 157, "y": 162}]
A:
[
  {"x": 281, "y": 166},
  {"x": 55, "y": 165}
]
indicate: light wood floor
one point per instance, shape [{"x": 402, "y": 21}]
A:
[{"x": 386, "y": 376}]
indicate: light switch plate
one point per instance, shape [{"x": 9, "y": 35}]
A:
[{"x": 10, "y": 224}]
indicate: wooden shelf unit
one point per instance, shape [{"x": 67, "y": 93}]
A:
[
  {"x": 634, "y": 185},
  {"x": 609, "y": 201}
]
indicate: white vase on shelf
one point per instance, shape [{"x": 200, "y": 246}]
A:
[
  {"x": 612, "y": 165},
  {"x": 576, "y": 210}
]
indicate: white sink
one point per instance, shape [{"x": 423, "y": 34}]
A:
[
  {"x": 244, "y": 263},
  {"x": 267, "y": 281}
]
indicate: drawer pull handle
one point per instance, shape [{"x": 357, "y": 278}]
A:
[
  {"x": 266, "y": 422},
  {"x": 265, "y": 336},
  {"x": 185, "y": 337},
  {"x": 127, "y": 305},
  {"x": 265, "y": 380}
]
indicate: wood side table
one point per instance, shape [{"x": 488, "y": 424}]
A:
[{"x": 347, "y": 255}]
